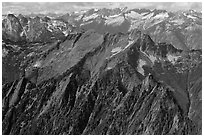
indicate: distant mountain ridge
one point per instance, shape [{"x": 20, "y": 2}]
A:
[
  {"x": 181, "y": 29},
  {"x": 102, "y": 71}
]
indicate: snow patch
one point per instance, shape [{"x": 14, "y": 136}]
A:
[
  {"x": 93, "y": 16},
  {"x": 96, "y": 9},
  {"x": 148, "y": 16},
  {"x": 162, "y": 15},
  {"x": 172, "y": 58},
  {"x": 189, "y": 16},
  {"x": 117, "y": 49},
  {"x": 141, "y": 63},
  {"x": 115, "y": 21},
  {"x": 108, "y": 68},
  {"x": 78, "y": 18},
  {"x": 66, "y": 32},
  {"x": 178, "y": 21},
  {"x": 55, "y": 25},
  {"x": 4, "y": 52},
  {"x": 31, "y": 54},
  {"x": 114, "y": 16},
  {"x": 144, "y": 13},
  {"x": 86, "y": 23},
  {"x": 37, "y": 64},
  {"x": 152, "y": 58},
  {"x": 133, "y": 14},
  {"x": 49, "y": 29},
  {"x": 129, "y": 43}
]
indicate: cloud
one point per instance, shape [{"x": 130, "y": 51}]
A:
[
  {"x": 170, "y": 6},
  {"x": 64, "y": 7}
]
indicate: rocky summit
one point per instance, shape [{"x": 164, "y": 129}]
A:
[{"x": 115, "y": 72}]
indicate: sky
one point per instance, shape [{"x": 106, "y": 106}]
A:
[{"x": 65, "y": 7}]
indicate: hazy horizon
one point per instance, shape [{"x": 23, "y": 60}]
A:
[{"x": 65, "y": 7}]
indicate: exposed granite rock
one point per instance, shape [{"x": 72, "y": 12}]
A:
[
  {"x": 96, "y": 84},
  {"x": 12, "y": 29}
]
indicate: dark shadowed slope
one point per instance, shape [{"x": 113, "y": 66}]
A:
[{"x": 91, "y": 83}]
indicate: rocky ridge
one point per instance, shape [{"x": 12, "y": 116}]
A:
[
  {"x": 92, "y": 83},
  {"x": 181, "y": 29}
]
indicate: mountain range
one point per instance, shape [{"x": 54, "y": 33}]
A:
[{"x": 102, "y": 71}]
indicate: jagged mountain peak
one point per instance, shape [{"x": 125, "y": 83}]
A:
[
  {"x": 102, "y": 71},
  {"x": 11, "y": 16},
  {"x": 149, "y": 81},
  {"x": 163, "y": 26}
]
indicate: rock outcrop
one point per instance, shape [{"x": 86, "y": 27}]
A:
[
  {"x": 181, "y": 29},
  {"x": 12, "y": 29},
  {"x": 93, "y": 83}
]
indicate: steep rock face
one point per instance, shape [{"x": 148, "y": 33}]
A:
[
  {"x": 182, "y": 29},
  {"x": 11, "y": 62},
  {"x": 106, "y": 84},
  {"x": 32, "y": 30},
  {"x": 12, "y": 29},
  {"x": 38, "y": 32},
  {"x": 23, "y": 20}
]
